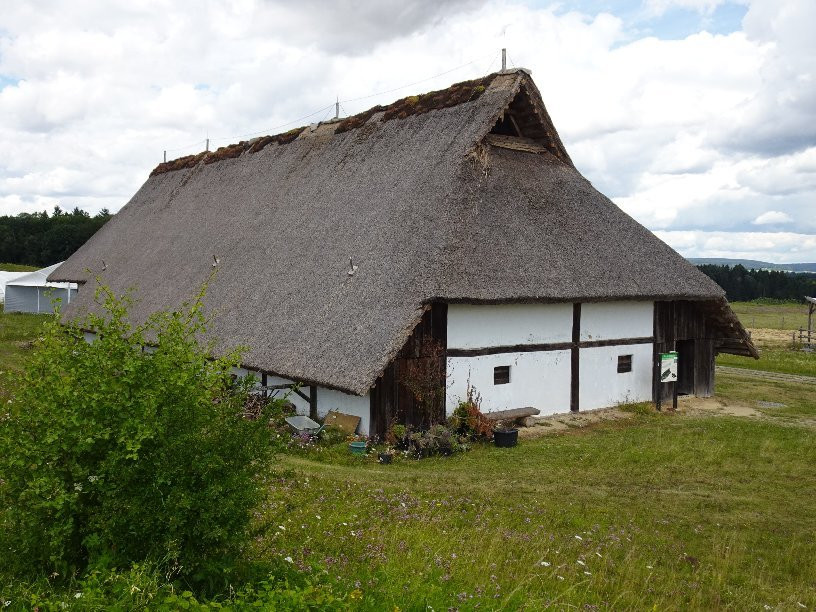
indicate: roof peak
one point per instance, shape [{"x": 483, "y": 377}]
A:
[{"x": 417, "y": 104}]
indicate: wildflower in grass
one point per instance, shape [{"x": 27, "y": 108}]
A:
[
  {"x": 579, "y": 562},
  {"x": 288, "y": 559},
  {"x": 356, "y": 594},
  {"x": 281, "y": 527},
  {"x": 545, "y": 563},
  {"x": 560, "y": 577}
]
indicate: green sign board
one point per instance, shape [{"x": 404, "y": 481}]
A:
[{"x": 668, "y": 367}]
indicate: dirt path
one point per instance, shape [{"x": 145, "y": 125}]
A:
[
  {"x": 811, "y": 380},
  {"x": 686, "y": 406}
]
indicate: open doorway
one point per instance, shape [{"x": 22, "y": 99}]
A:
[{"x": 685, "y": 367}]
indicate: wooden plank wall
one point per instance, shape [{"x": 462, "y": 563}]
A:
[
  {"x": 677, "y": 321},
  {"x": 391, "y": 401}
]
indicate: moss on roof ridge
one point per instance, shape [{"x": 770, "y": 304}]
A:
[{"x": 458, "y": 93}]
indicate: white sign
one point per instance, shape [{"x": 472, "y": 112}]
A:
[{"x": 668, "y": 367}]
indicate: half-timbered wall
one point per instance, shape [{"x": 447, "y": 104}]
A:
[{"x": 561, "y": 357}]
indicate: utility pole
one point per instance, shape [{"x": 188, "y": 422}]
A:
[
  {"x": 504, "y": 59},
  {"x": 337, "y": 108}
]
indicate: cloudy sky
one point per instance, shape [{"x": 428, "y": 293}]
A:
[{"x": 698, "y": 117}]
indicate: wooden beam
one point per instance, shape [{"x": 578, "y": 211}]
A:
[
  {"x": 552, "y": 346},
  {"x": 575, "y": 358},
  {"x": 515, "y": 348},
  {"x": 313, "y": 402},
  {"x": 616, "y": 342}
]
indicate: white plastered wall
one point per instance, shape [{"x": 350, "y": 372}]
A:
[
  {"x": 327, "y": 399},
  {"x": 478, "y": 326},
  {"x": 615, "y": 320},
  {"x": 602, "y": 386},
  {"x": 539, "y": 379}
]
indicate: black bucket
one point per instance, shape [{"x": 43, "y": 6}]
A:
[
  {"x": 505, "y": 439},
  {"x": 385, "y": 457}
]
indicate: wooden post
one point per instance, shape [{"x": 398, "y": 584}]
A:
[
  {"x": 575, "y": 359},
  {"x": 313, "y": 402}
]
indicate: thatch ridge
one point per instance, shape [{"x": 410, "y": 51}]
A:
[{"x": 456, "y": 94}]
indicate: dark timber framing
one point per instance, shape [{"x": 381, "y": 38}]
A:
[
  {"x": 575, "y": 359},
  {"x": 553, "y": 346}
]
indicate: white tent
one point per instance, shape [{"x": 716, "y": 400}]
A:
[
  {"x": 30, "y": 292},
  {"x": 6, "y": 277}
]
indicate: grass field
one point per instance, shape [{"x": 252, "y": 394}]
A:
[
  {"x": 757, "y": 315},
  {"x": 16, "y": 332},
  {"x": 662, "y": 511},
  {"x": 7, "y": 267},
  {"x": 771, "y": 326}
]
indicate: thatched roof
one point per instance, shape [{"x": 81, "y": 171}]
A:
[{"x": 427, "y": 204}]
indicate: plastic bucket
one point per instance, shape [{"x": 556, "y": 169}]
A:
[{"x": 357, "y": 448}]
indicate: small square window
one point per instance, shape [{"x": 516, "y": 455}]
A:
[
  {"x": 624, "y": 363},
  {"x": 501, "y": 375}
]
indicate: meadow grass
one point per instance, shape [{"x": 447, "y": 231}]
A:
[
  {"x": 759, "y": 315},
  {"x": 662, "y": 511},
  {"x": 17, "y": 330},
  {"x": 774, "y": 359},
  {"x": 9, "y": 267},
  {"x": 777, "y": 351}
]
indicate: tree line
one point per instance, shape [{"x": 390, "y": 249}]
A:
[
  {"x": 40, "y": 239},
  {"x": 742, "y": 285}
]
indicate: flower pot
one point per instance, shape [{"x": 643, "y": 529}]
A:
[
  {"x": 357, "y": 448},
  {"x": 385, "y": 457},
  {"x": 505, "y": 438}
]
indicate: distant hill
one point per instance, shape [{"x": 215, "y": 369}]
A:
[{"x": 754, "y": 264}]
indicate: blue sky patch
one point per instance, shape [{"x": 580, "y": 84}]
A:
[{"x": 675, "y": 23}]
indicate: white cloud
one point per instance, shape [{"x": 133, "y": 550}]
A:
[
  {"x": 781, "y": 247},
  {"x": 773, "y": 217},
  {"x": 703, "y": 134}
]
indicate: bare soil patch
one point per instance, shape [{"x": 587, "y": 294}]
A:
[{"x": 687, "y": 406}]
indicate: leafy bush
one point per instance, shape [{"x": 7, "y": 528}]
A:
[
  {"x": 143, "y": 586},
  {"x": 119, "y": 451}
]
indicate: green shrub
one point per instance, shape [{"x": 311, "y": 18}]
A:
[
  {"x": 143, "y": 586},
  {"x": 118, "y": 451}
]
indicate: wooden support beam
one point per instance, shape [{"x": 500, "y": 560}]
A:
[
  {"x": 313, "y": 402},
  {"x": 575, "y": 358},
  {"x": 552, "y": 346}
]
